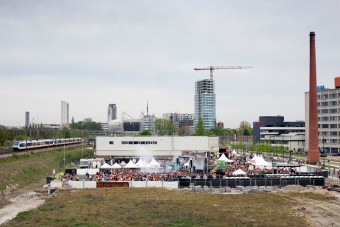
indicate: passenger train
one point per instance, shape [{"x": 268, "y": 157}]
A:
[{"x": 33, "y": 144}]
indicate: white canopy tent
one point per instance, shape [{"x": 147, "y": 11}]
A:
[
  {"x": 224, "y": 158},
  {"x": 153, "y": 163},
  {"x": 116, "y": 166},
  {"x": 239, "y": 172},
  {"x": 130, "y": 165},
  {"x": 106, "y": 166},
  {"x": 142, "y": 164}
]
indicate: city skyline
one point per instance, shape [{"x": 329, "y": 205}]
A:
[{"x": 131, "y": 53}]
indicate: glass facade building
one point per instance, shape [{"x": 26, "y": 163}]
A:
[{"x": 205, "y": 103}]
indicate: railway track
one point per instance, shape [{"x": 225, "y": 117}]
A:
[{"x": 8, "y": 153}]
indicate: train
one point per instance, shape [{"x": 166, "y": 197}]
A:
[{"x": 44, "y": 143}]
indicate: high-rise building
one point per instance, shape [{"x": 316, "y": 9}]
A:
[
  {"x": 111, "y": 112},
  {"x": 205, "y": 103},
  {"x": 64, "y": 113},
  {"x": 328, "y": 106}
]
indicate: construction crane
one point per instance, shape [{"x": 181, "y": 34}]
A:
[{"x": 212, "y": 68}]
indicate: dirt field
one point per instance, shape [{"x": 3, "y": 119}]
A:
[
  {"x": 294, "y": 206},
  {"x": 316, "y": 212}
]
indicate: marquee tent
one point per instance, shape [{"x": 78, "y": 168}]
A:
[
  {"x": 106, "y": 166},
  {"x": 224, "y": 158},
  {"x": 142, "y": 164},
  {"x": 130, "y": 165},
  {"x": 154, "y": 163},
  {"x": 239, "y": 172},
  {"x": 116, "y": 166}
]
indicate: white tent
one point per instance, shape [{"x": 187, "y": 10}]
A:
[
  {"x": 116, "y": 166},
  {"x": 224, "y": 158},
  {"x": 130, "y": 165},
  {"x": 142, "y": 164},
  {"x": 254, "y": 158},
  {"x": 154, "y": 163},
  {"x": 235, "y": 153},
  {"x": 261, "y": 162},
  {"x": 106, "y": 166},
  {"x": 239, "y": 172}
]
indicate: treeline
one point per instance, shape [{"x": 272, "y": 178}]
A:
[
  {"x": 82, "y": 125},
  {"x": 6, "y": 137}
]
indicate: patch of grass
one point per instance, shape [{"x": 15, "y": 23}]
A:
[
  {"x": 25, "y": 170},
  {"x": 161, "y": 207}
]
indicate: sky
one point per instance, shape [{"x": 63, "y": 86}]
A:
[{"x": 93, "y": 53}]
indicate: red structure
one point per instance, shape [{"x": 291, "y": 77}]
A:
[
  {"x": 337, "y": 82},
  {"x": 313, "y": 152}
]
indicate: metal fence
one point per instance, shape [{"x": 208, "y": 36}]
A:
[{"x": 246, "y": 181}]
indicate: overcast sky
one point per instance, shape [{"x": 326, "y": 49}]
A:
[{"x": 93, "y": 53}]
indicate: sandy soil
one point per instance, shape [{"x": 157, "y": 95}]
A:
[
  {"x": 19, "y": 204},
  {"x": 16, "y": 200},
  {"x": 318, "y": 213}
]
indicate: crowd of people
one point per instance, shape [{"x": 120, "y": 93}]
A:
[{"x": 240, "y": 161}]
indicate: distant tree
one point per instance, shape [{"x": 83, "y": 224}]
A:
[
  {"x": 200, "y": 130},
  {"x": 145, "y": 133},
  {"x": 245, "y": 129},
  {"x": 5, "y": 135},
  {"x": 86, "y": 125},
  {"x": 217, "y": 131},
  {"x": 66, "y": 133},
  {"x": 164, "y": 127}
]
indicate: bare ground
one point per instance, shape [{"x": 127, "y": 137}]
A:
[{"x": 318, "y": 213}]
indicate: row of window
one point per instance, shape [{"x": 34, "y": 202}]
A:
[
  {"x": 332, "y": 141},
  {"x": 135, "y": 142},
  {"x": 329, "y": 125},
  {"x": 329, "y": 118},
  {"x": 139, "y": 142},
  {"x": 326, "y": 96},
  {"x": 330, "y": 103},
  {"x": 328, "y": 133},
  {"x": 324, "y": 111}
]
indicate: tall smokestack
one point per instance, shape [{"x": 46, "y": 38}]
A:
[{"x": 313, "y": 152}]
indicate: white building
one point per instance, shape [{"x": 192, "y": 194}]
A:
[
  {"x": 154, "y": 146},
  {"x": 64, "y": 113},
  {"x": 328, "y": 102}
]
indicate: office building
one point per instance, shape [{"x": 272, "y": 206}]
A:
[
  {"x": 328, "y": 105},
  {"x": 111, "y": 112},
  {"x": 179, "y": 119},
  {"x": 64, "y": 114},
  {"x": 276, "y": 131},
  {"x": 205, "y": 103}
]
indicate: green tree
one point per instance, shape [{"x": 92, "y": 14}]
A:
[
  {"x": 5, "y": 135},
  {"x": 164, "y": 127},
  {"x": 66, "y": 133},
  {"x": 200, "y": 130},
  {"x": 245, "y": 129},
  {"x": 145, "y": 133},
  {"x": 217, "y": 131},
  {"x": 86, "y": 125}
]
